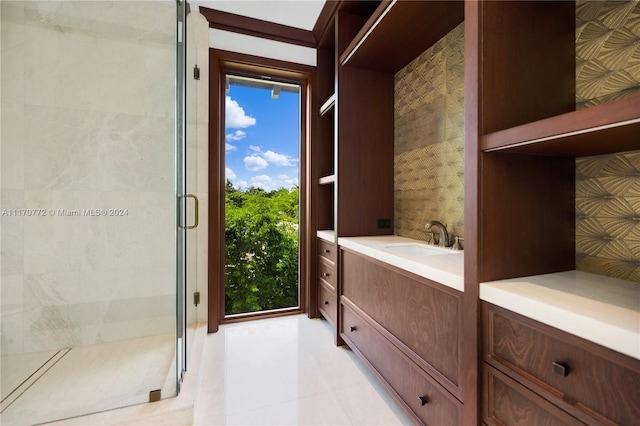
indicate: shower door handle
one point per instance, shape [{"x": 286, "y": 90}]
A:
[{"x": 196, "y": 205}]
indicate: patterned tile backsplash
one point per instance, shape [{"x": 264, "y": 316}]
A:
[
  {"x": 429, "y": 139},
  {"x": 608, "y": 186}
]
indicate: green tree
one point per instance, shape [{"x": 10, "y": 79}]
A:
[{"x": 261, "y": 233}]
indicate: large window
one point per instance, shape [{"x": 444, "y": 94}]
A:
[{"x": 262, "y": 128}]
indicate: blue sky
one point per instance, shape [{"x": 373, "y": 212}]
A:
[{"x": 262, "y": 138}]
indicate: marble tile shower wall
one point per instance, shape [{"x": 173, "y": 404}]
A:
[
  {"x": 429, "y": 139},
  {"x": 87, "y": 123},
  {"x": 608, "y": 186}
]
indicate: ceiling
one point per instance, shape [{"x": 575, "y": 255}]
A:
[{"x": 301, "y": 14}]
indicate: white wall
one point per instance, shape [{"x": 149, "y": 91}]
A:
[{"x": 256, "y": 46}]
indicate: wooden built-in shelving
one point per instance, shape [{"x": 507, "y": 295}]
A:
[
  {"x": 326, "y": 180},
  {"x": 603, "y": 129},
  {"x": 522, "y": 135},
  {"x": 328, "y": 105},
  {"x": 392, "y": 37}
]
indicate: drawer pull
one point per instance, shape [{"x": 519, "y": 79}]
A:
[
  {"x": 326, "y": 302},
  {"x": 327, "y": 251},
  {"x": 423, "y": 400},
  {"x": 325, "y": 274},
  {"x": 561, "y": 369},
  {"x": 352, "y": 328}
]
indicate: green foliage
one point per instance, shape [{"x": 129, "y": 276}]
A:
[{"x": 261, "y": 233}]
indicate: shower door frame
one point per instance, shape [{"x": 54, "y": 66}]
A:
[{"x": 181, "y": 192}]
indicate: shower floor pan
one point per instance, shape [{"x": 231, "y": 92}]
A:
[{"x": 54, "y": 385}]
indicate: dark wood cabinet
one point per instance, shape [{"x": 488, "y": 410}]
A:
[
  {"x": 593, "y": 384},
  {"x": 522, "y": 137},
  {"x": 406, "y": 328},
  {"x": 424, "y": 399},
  {"x": 328, "y": 251},
  {"x": 507, "y": 402},
  {"x": 327, "y": 279},
  {"x": 421, "y": 317}
]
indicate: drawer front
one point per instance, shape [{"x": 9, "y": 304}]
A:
[
  {"x": 573, "y": 373},
  {"x": 326, "y": 272},
  {"x": 327, "y": 303},
  {"x": 410, "y": 384},
  {"x": 423, "y": 317},
  {"x": 327, "y": 250},
  {"x": 506, "y": 402}
]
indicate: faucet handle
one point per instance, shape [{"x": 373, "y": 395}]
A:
[
  {"x": 431, "y": 240},
  {"x": 457, "y": 244}
]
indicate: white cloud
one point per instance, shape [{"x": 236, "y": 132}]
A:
[
  {"x": 241, "y": 184},
  {"x": 236, "y": 136},
  {"x": 269, "y": 158},
  {"x": 254, "y": 162},
  {"x": 262, "y": 178},
  {"x": 268, "y": 183},
  {"x": 287, "y": 181},
  {"x": 278, "y": 159},
  {"x": 263, "y": 181},
  {"x": 229, "y": 173},
  {"x": 235, "y": 117},
  {"x": 230, "y": 147}
]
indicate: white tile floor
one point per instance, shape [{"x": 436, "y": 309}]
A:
[
  {"x": 287, "y": 371},
  {"x": 280, "y": 371}
]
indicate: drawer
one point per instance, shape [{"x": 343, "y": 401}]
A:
[
  {"x": 410, "y": 383},
  {"x": 327, "y": 250},
  {"x": 327, "y": 272},
  {"x": 506, "y": 402},
  {"x": 424, "y": 316},
  {"x": 592, "y": 383},
  {"x": 327, "y": 303}
]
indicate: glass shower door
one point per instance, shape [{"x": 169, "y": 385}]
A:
[{"x": 91, "y": 301}]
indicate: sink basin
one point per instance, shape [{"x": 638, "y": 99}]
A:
[{"x": 410, "y": 249}]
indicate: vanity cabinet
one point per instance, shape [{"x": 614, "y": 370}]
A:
[
  {"x": 327, "y": 278},
  {"x": 405, "y": 318},
  {"x": 418, "y": 393},
  {"x": 556, "y": 370}
]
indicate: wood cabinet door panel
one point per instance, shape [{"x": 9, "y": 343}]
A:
[
  {"x": 573, "y": 372},
  {"x": 508, "y": 403},
  {"x": 327, "y": 250},
  {"x": 400, "y": 374},
  {"x": 327, "y": 303},
  {"x": 327, "y": 273},
  {"x": 421, "y": 315}
]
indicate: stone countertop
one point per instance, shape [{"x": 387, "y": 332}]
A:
[
  {"x": 329, "y": 236},
  {"x": 446, "y": 268},
  {"x": 599, "y": 309}
]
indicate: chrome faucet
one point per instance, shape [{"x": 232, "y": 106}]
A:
[{"x": 443, "y": 241}]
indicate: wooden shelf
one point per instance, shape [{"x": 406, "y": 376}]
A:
[
  {"x": 326, "y": 180},
  {"x": 328, "y": 105},
  {"x": 603, "y": 129},
  {"x": 399, "y": 31}
]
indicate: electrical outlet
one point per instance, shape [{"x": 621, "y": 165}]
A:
[{"x": 384, "y": 223}]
